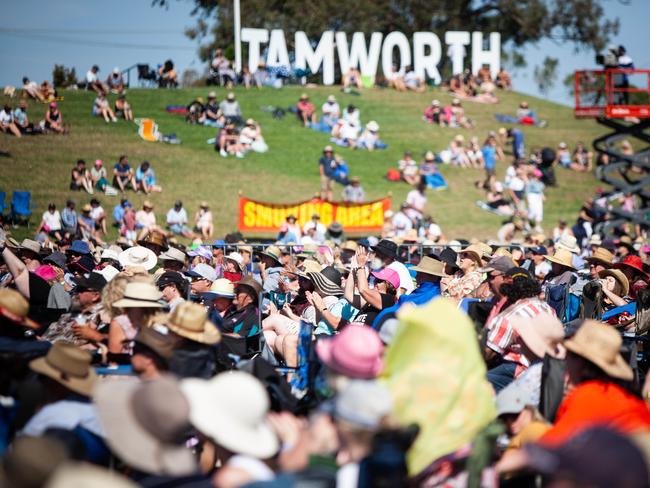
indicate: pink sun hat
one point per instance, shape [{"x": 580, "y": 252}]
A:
[
  {"x": 387, "y": 274},
  {"x": 357, "y": 352}
]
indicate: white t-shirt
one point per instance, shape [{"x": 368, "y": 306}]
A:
[
  {"x": 411, "y": 78},
  {"x": 405, "y": 280},
  {"x": 331, "y": 109},
  {"x": 174, "y": 217},
  {"x": 97, "y": 212},
  {"x": 145, "y": 219},
  {"x": 91, "y": 77},
  {"x": 402, "y": 224},
  {"x": 434, "y": 231},
  {"x": 516, "y": 184},
  {"x": 52, "y": 220},
  {"x": 418, "y": 201},
  {"x": 5, "y": 118}
]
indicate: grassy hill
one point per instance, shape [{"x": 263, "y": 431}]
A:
[{"x": 193, "y": 171}]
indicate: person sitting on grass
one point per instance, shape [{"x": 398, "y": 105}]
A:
[
  {"x": 433, "y": 114},
  {"x": 582, "y": 158},
  {"x": 145, "y": 179},
  {"x": 115, "y": 82},
  {"x": 98, "y": 215},
  {"x": 22, "y": 120},
  {"x": 87, "y": 225},
  {"x": 145, "y": 221},
  {"x": 413, "y": 82},
  {"x": 306, "y": 111},
  {"x": 231, "y": 110},
  {"x": 503, "y": 80},
  {"x": 93, "y": 82},
  {"x": 250, "y": 138},
  {"x": 177, "y": 220},
  {"x": 80, "y": 178},
  {"x": 395, "y": 78},
  {"x": 352, "y": 79},
  {"x": 212, "y": 115},
  {"x": 98, "y": 175},
  {"x": 51, "y": 222},
  {"x": 408, "y": 169},
  {"x": 203, "y": 221},
  {"x": 331, "y": 112},
  {"x": 103, "y": 108},
  {"x": 54, "y": 119},
  {"x": 123, "y": 108},
  {"x": 228, "y": 141},
  {"x": 30, "y": 88},
  {"x": 7, "y": 123},
  {"x": 167, "y": 75},
  {"x": 48, "y": 91},
  {"x": 370, "y": 138},
  {"x": 123, "y": 175}
]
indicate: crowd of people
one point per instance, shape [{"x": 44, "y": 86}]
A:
[
  {"x": 224, "y": 363},
  {"x": 17, "y": 122}
]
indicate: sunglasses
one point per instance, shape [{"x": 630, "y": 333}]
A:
[{"x": 491, "y": 276}]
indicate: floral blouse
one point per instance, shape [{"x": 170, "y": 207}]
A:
[{"x": 462, "y": 286}]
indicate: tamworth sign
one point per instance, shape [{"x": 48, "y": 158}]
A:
[{"x": 423, "y": 53}]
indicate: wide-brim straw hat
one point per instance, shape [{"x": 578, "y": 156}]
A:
[
  {"x": 309, "y": 266},
  {"x": 222, "y": 287},
  {"x": 190, "y": 320},
  {"x": 231, "y": 409},
  {"x": 122, "y": 407},
  {"x": 475, "y": 251},
  {"x": 138, "y": 256},
  {"x": 15, "y": 308},
  {"x": 430, "y": 266},
  {"x": 619, "y": 276},
  {"x": 69, "y": 366},
  {"x": 568, "y": 243},
  {"x": 272, "y": 252},
  {"x": 601, "y": 255},
  {"x": 173, "y": 254},
  {"x": 140, "y": 295},
  {"x": 562, "y": 257},
  {"x": 601, "y": 344},
  {"x": 251, "y": 283}
]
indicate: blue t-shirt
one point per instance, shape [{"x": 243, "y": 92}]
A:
[
  {"x": 121, "y": 169},
  {"x": 118, "y": 213},
  {"x": 328, "y": 164},
  {"x": 489, "y": 156},
  {"x": 422, "y": 294}
]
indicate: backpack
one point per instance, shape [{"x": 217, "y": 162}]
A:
[
  {"x": 393, "y": 175},
  {"x": 566, "y": 304}
]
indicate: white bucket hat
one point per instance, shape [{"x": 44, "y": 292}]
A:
[
  {"x": 138, "y": 256},
  {"x": 231, "y": 408},
  {"x": 140, "y": 294},
  {"x": 110, "y": 254},
  {"x": 373, "y": 126}
]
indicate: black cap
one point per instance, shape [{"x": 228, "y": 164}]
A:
[
  {"x": 386, "y": 248},
  {"x": 519, "y": 273},
  {"x": 94, "y": 282},
  {"x": 171, "y": 277},
  {"x": 84, "y": 264},
  {"x": 449, "y": 257}
]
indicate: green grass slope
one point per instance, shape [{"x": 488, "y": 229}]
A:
[{"x": 193, "y": 171}]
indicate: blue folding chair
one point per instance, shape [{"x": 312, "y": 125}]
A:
[
  {"x": 3, "y": 205},
  {"x": 20, "y": 206}
]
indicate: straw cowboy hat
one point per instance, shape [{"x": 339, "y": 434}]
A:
[
  {"x": 618, "y": 275},
  {"x": 31, "y": 461},
  {"x": 562, "y": 257},
  {"x": 145, "y": 423},
  {"x": 231, "y": 408},
  {"x": 308, "y": 266},
  {"x": 252, "y": 285},
  {"x": 173, "y": 254},
  {"x": 190, "y": 320},
  {"x": 542, "y": 333},
  {"x": 595, "y": 240},
  {"x": 68, "y": 365},
  {"x": 476, "y": 251},
  {"x": 140, "y": 294},
  {"x": 30, "y": 245},
  {"x": 568, "y": 243},
  {"x": 601, "y": 255},
  {"x": 272, "y": 252},
  {"x": 138, "y": 256},
  {"x": 430, "y": 266},
  {"x": 600, "y": 344},
  {"x": 15, "y": 308},
  {"x": 222, "y": 287}
]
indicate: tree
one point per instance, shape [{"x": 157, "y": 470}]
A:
[
  {"x": 545, "y": 74},
  {"x": 520, "y": 22},
  {"x": 63, "y": 77}
]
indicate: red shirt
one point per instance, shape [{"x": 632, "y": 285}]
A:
[{"x": 598, "y": 403}]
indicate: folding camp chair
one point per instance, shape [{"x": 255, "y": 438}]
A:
[
  {"x": 3, "y": 205},
  {"x": 148, "y": 130},
  {"x": 146, "y": 75},
  {"x": 20, "y": 207}
]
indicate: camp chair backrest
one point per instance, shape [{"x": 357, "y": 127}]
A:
[
  {"x": 20, "y": 203},
  {"x": 3, "y": 196},
  {"x": 148, "y": 130},
  {"x": 566, "y": 304},
  {"x": 552, "y": 389},
  {"x": 642, "y": 319},
  {"x": 592, "y": 301}
]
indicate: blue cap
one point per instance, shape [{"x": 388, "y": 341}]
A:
[
  {"x": 541, "y": 250},
  {"x": 219, "y": 243},
  {"x": 79, "y": 247}
]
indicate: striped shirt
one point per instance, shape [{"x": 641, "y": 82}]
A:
[{"x": 502, "y": 337}]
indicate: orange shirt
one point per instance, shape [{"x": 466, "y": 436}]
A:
[{"x": 597, "y": 403}]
